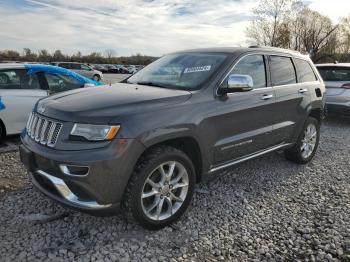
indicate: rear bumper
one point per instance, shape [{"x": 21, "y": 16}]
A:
[{"x": 98, "y": 189}]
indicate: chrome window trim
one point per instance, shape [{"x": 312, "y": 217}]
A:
[{"x": 232, "y": 67}]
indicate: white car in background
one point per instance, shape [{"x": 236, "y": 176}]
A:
[
  {"x": 22, "y": 85},
  {"x": 81, "y": 69},
  {"x": 337, "y": 80}
]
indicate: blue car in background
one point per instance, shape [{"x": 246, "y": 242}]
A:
[{"x": 22, "y": 85}]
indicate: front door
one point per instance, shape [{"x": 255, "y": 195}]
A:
[{"x": 245, "y": 120}]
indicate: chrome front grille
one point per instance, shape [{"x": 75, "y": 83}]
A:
[{"x": 43, "y": 130}]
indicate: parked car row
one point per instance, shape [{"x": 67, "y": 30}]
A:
[
  {"x": 81, "y": 69},
  {"x": 22, "y": 85},
  {"x": 118, "y": 69}
]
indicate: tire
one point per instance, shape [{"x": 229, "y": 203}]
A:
[
  {"x": 2, "y": 131},
  {"x": 141, "y": 196},
  {"x": 303, "y": 151},
  {"x": 4, "y": 79},
  {"x": 96, "y": 78}
]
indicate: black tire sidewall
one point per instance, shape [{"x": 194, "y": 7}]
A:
[
  {"x": 2, "y": 132},
  {"x": 136, "y": 206},
  {"x": 6, "y": 77},
  {"x": 96, "y": 77}
]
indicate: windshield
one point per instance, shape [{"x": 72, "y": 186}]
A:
[{"x": 186, "y": 71}]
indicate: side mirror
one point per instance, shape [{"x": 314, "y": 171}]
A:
[{"x": 237, "y": 83}]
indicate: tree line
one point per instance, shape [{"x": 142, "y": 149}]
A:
[
  {"x": 108, "y": 57},
  {"x": 278, "y": 23},
  {"x": 291, "y": 24}
]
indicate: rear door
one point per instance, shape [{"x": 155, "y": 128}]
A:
[
  {"x": 19, "y": 93},
  {"x": 245, "y": 120},
  {"x": 292, "y": 98}
]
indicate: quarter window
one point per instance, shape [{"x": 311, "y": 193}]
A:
[
  {"x": 18, "y": 79},
  {"x": 305, "y": 72},
  {"x": 254, "y": 66},
  {"x": 282, "y": 71}
]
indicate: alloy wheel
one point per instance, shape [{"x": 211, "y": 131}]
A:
[
  {"x": 309, "y": 141},
  {"x": 164, "y": 190}
]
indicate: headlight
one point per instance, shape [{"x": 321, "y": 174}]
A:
[{"x": 95, "y": 132}]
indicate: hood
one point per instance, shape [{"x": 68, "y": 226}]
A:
[{"x": 99, "y": 105}]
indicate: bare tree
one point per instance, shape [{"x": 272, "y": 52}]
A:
[
  {"x": 314, "y": 34},
  {"x": 109, "y": 54},
  {"x": 44, "y": 55},
  {"x": 28, "y": 55},
  {"x": 272, "y": 21},
  {"x": 344, "y": 35}
]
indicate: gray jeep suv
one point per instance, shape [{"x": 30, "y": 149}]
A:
[{"x": 143, "y": 144}]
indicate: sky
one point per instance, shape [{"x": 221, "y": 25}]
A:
[{"x": 151, "y": 27}]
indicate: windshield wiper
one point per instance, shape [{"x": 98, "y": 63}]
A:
[{"x": 150, "y": 84}]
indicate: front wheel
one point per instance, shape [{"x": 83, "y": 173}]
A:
[
  {"x": 305, "y": 148},
  {"x": 160, "y": 189}
]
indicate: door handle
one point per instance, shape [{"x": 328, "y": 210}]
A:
[
  {"x": 302, "y": 91},
  {"x": 266, "y": 97}
]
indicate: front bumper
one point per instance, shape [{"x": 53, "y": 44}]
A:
[{"x": 99, "y": 190}]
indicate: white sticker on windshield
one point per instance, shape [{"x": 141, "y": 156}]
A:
[{"x": 197, "y": 69}]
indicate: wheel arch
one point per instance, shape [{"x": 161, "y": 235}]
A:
[
  {"x": 187, "y": 144},
  {"x": 317, "y": 113}
]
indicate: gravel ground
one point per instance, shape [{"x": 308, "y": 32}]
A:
[{"x": 267, "y": 209}]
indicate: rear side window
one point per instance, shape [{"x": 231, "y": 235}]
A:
[
  {"x": 18, "y": 79},
  {"x": 86, "y": 68},
  {"x": 282, "y": 71},
  {"x": 75, "y": 66},
  {"x": 304, "y": 71},
  {"x": 65, "y": 65},
  {"x": 335, "y": 73},
  {"x": 254, "y": 66}
]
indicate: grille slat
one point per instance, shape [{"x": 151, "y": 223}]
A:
[{"x": 43, "y": 130}]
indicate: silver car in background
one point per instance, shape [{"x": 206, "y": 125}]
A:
[
  {"x": 81, "y": 69},
  {"x": 337, "y": 80}
]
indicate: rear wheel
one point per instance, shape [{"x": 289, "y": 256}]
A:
[
  {"x": 305, "y": 148},
  {"x": 96, "y": 78},
  {"x": 4, "y": 79},
  {"x": 160, "y": 189}
]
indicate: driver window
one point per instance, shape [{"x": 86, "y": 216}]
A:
[
  {"x": 60, "y": 83},
  {"x": 254, "y": 66}
]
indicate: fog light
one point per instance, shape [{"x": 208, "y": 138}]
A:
[{"x": 72, "y": 170}]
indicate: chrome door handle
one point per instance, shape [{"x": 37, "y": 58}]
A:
[
  {"x": 266, "y": 97},
  {"x": 302, "y": 91}
]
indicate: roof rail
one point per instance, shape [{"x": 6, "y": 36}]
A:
[{"x": 274, "y": 48}]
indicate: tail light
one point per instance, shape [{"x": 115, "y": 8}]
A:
[{"x": 346, "y": 86}]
